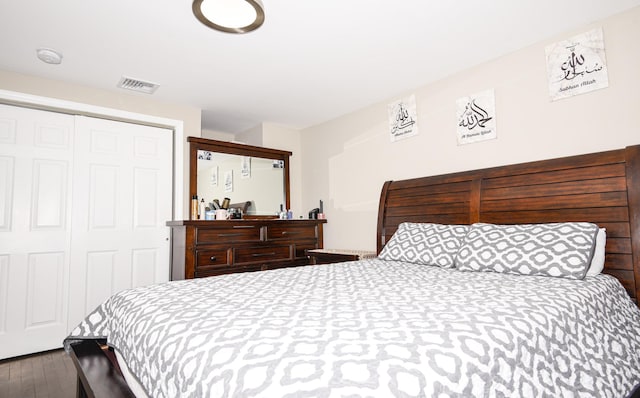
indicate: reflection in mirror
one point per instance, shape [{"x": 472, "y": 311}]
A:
[
  {"x": 255, "y": 179},
  {"x": 242, "y": 179}
]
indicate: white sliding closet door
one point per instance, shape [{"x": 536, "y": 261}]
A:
[
  {"x": 36, "y": 165},
  {"x": 122, "y": 200},
  {"x": 83, "y": 206}
]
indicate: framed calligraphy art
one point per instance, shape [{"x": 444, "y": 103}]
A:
[
  {"x": 245, "y": 167},
  {"x": 228, "y": 181},
  {"x": 476, "y": 116},
  {"x": 205, "y": 155},
  {"x": 214, "y": 176},
  {"x": 403, "y": 119},
  {"x": 577, "y": 65}
]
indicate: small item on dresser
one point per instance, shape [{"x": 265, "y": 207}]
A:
[
  {"x": 225, "y": 203},
  {"x": 289, "y": 214},
  {"x": 235, "y": 213},
  {"x": 321, "y": 212},
  {"x": 201, "y": 209},
  {"x": 209, "y": 215},
  {"x": 222, "y": 214},
  {"x": 215, "y": 204},
  {"x": 313, "y": 213},
  {"x": 194, "y": 207}
]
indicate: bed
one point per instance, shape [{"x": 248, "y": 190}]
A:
[{"x": 406, "y": 324}]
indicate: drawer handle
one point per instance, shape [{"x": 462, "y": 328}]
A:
[
  {"x": 291, "y": 233},
  {"x": 213, "y": 258},
  {"x": 229, "y": 235},
  {"x": 263, "y": 254},
  {"x": 243, "y": 226}
]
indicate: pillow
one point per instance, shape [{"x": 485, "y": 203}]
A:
[
  {"x": 597, "y": 262},
  {"x": 425, "y": 243},
  {"x": 556, "y": 249}
]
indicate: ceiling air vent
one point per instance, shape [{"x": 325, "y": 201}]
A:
[{"x": 137, "y": 85}]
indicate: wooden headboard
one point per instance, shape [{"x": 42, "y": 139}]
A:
[{"x": 603, "y": 188}]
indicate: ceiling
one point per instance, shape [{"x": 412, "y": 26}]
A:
[{"x": 310, "y": 62}]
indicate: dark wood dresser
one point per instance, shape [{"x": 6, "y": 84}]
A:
[{"x": 206, "y": 248}]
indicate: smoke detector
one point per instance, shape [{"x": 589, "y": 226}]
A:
[
  {"x": 142, "y": 86},
  {"x": 49, "y": 56}
]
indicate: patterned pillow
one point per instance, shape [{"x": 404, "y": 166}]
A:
[
  {"x": 557, "y": 249},
  {"x": 424, "y": 243}
]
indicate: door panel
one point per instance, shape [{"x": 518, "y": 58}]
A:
[
  {"x": 44, "y": 294},
  {"x": 36, "y": 160},
  {"x": 146, "y": 183},
  {"x": 121, "y": 215},
  {"x": 103, "y": 189},
  {"x": 49, "y": 199},
  {"x": 6, "y": 191},
  {"x": 4, "y": 289},
  {"x": 97, "y": 285},
  {"x": 146, "y": 269}
]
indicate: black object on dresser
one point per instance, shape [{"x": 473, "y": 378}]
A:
[{"x": 206, "y": 248}]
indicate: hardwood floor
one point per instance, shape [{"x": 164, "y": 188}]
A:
[{"x": 46, "y": 375}]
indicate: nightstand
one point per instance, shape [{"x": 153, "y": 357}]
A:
[{"x": 328, "y": 256}]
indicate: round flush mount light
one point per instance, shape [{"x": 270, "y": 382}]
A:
[
  {"x": 230, "y": 16},
  {"x": 49, "y": 56}
]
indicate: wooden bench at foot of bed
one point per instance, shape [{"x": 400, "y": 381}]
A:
[{"x": 98, "y": 372}]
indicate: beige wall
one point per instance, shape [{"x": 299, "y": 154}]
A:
[
  {"x": 345, "y": 161},
  {"x": 137, "y": 103},
  {"x": 217, "y": 135},
  {"x": 287, "y": 139}
]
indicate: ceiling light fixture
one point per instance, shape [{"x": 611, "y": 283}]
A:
[
  {"x": 230, "y": 16},
  {"x": 49, "y": 56}
]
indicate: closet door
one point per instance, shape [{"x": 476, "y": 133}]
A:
[
  {"x": 36, "y": 163},
  {"x": 122, "y": 198},
  {"x": 83, "y": 203}
]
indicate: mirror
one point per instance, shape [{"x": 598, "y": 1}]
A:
[{"x": 255, "y": 179}]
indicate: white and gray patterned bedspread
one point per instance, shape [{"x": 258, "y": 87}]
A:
[{"x": 375, "y": 328}]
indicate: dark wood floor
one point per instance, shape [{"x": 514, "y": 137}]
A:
[{"x": 46, "y": 375}]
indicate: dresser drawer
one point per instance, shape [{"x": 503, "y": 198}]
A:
[
  {"x": 291, "y": 231},
  {"x": 261, "y": 253},
  {"x": 227, "y": 270},
  {"x": 212, "y": 258},
  {"x": 237, "y": 233}
]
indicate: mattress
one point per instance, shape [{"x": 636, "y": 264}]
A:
[
  {"x": 131, "y": 380},
  {"x": 375, "y": 328}
]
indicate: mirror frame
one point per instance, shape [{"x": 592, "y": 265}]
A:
[{"x": 204, "y": 144}]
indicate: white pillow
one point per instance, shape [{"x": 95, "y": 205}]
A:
[{"x": 597, "y": 262}]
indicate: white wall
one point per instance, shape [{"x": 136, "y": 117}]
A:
[
  {"x": 287, "y": 139},
  {"x": 345, "y": 161},
  {"x": 217, "y": 135}
]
